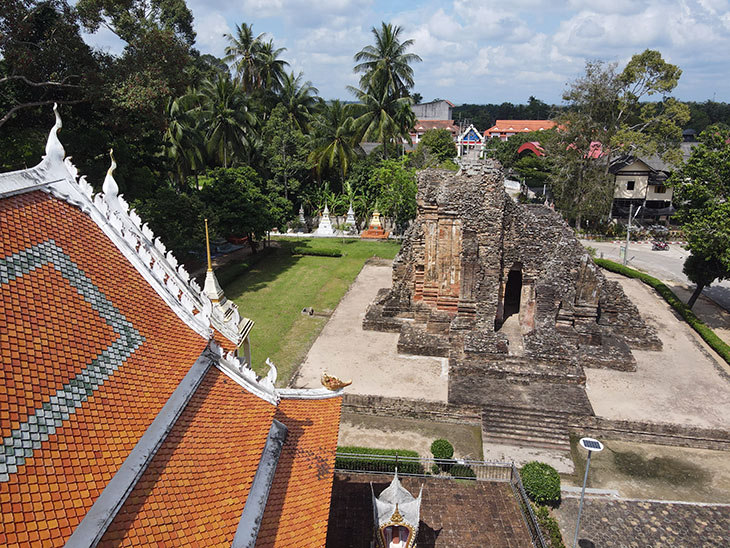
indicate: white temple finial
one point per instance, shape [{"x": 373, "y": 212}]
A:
[
  {"x": 110, "y": 187},
  {"x": 54, "y": 148},
  {"x": 273, "y": 373}
]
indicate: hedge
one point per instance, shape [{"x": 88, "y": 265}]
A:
[
  {"x": 319, "y": 252},
  {"x": 541, "y": 482},
  {"x": 377, "y": 465},
  {"x": 715, "y": 342},
  {"x": 442, "y": 449},
  {"x": 548, "y": 524},
  {"x": 462, "y": 471}
]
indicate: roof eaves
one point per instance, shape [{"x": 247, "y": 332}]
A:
[
  {"x": 112, "y": 498},
  {"x": 308, "y": 393},
  {"x": 240, "y": 372},
  {"x": 253, "y": 511}
]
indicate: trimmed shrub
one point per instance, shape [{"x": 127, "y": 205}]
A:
[
  {"x": 541, "y": 482},
  {"x": 442, "y": 449},
  {"x": 318, "y": 252},
  {"x": 462, "y": 471},
  {"x": 717, "y": 344},
  {"x": 549, "y": 526},
  {"x": 371, "y": 464}
]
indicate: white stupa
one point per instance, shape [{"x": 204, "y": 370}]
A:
[{"x": 325, "y": 225}]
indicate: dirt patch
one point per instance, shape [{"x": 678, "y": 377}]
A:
[
  {"x": 683, "y": 383},
  {"x": 659, "y": 472},
  {"x": 370, "y": 358},
  {"x": 392, "y": 433}
]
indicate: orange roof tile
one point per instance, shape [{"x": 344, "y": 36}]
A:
[
  {"x": 299, "y": 501},
  {"x": 91, "y": 353},
  {"x": 520, "y": 126},
  {"x": 197, "y": 484}
]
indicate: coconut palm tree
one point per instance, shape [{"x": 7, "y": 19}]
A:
[
  {"x": 225, "y": 118},
  {"x": 246, "y": 53},
  {"x": 182, "y": 140},
  {"x": 386, "y": 63},
  {"x": 299, "y": 99},
  {"x": 271, "y": 69},
  {"x": 335, "y": 143},
  {"x": 381, "y": 116}
]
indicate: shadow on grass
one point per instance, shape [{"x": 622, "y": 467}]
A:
[
  {"x": 675, "y": 471},
  {"x": 273, "y": 261}
]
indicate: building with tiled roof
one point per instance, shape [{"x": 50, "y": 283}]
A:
[
  {"x": 127, "y": 417},
  {"x": 504, "y": 129},
  {"x": 434, "y": 115}
]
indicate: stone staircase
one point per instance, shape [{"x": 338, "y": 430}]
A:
[{"x": 526, "y": 427}]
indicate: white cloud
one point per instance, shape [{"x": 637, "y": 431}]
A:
[{"x": 210, "y": 29}]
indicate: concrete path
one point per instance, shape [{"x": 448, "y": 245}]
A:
[
  {"x": 370, "y": 358},
  {"x": 612, "y": 523},
  {"x": 683, "y": 383}
]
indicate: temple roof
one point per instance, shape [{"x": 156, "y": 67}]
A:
[
  {"x": 519, "y": 126},
  {"x": 394, "y": 498},
  {"x": 125, "y": 418}
]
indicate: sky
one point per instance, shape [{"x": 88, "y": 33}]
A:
[{"x": 481, "y": 51}]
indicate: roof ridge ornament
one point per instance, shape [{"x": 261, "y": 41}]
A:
[
  {"x": 54, "y": 148},
  {"x": 110, "y": 187}
]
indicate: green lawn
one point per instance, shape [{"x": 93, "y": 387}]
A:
[{"x": 278, "y": 285}]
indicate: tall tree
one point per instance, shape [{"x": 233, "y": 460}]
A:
[
  {"x": 225, "y": 118},
  {"x": 379, "y": 115},
  {"x": 285, "y": 149},
  {"x": 299, "y": 99},
  {"x": 130, "y": 19},
  {"x": 702, "y": 192},
  {"x": 608, "y": 119},
  {"x": 335, "y": 143},
  {"x": 246, "y": 53},
  {"x": 386, "y": 64}
]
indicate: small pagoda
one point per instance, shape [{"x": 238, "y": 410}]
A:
[
  {"x": 375, "y": 230},
  {"x": 396, "y": 516}
]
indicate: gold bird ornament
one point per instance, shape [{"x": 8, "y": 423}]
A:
[{"x": 333, "y": 383}]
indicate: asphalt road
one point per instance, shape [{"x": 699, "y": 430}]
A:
[{"x": 665, "y": 265}]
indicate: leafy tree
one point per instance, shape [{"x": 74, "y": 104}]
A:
[
  {"x": 435, "y": 147},
  {"x": 286, "y": 150},
  {"x": 131, "y": 19},
  {"x": 379, "y": 116},
  {"x": 255, "y": 61},
  {"x": 386, "y": 65},
  {"x": 43, "y": 58},
  {"x": 702, "y": 192},
  {"x": 239, "y": 205},
  {"x": 183, "y": 142},
  {"x": 606, "y": 110},
  {"x": 396, "y": 191},
  {"x": 335, "y": 143}
]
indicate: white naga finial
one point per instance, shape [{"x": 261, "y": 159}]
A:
[
  {"x": 54, "y": 148},
  {"x": 110, "y": 187}
]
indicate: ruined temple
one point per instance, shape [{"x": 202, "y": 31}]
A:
[{"x": 507, "y": 293}]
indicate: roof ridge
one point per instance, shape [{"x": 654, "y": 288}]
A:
[{"x": 57, "y": 175}]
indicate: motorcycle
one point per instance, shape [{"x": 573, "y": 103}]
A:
[{"x": 659, "y": 246}]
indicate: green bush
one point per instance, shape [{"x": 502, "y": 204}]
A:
[
  {"x": 541, "y": 482},
  {"x": 233, "y": 270},
  {"x": 717, "y": 344},
  {"x": 462, "y": 471},
  {"x": 549, "y": 526},
  {"x": 377, "y": 465},
  {"x": 317, "y": 252},
  {"x": 442, "y": 449},
  {"x": 435, "y": 470}
]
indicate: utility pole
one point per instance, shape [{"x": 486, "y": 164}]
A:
[{"x": 628, "y": 231}]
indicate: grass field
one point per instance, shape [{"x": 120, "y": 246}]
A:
[{"x": 278, "y": 285}]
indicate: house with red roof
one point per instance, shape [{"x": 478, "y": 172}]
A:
[
  {"x": 504, "y": 129},
  {"x": 434, "y": 115},
  {"x": 128, "y": 417}
]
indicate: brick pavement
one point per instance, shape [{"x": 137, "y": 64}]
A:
[
  {"x": 461, "y": 514},
  {"x": 610, "y": 523}
]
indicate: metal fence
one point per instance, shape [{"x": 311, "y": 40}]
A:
[{"x": 446, "y": 469}]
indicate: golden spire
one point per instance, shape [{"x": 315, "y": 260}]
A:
[{"x": 207, "y": 246}]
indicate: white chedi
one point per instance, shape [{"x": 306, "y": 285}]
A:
[{"x": 325, "y": 224}]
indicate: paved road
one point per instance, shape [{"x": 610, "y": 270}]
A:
[{"x": 665, "y": 265}]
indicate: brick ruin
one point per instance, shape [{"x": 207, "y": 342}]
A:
[{"x": 507, "y": 293}]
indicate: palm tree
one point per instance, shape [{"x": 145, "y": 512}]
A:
[
  {"x": 381, "y": 115},
  {"x": 386, "y": 63},
  {"x": 182, "y": 140},
  {"x": 335, "y": 143},
  {"x": 245, "y": 52},
  {"x": 225, "y": 118},
  {"x": 299, "y": 99},
  {"x": 271, "y": 69}
]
